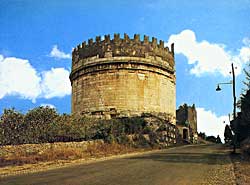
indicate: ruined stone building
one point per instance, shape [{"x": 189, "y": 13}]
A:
[
  {"x": 123, "y": 77},
  {"x": 186, "y": 122}
]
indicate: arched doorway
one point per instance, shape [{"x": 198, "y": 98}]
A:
[{"x": 185, "y": 134}]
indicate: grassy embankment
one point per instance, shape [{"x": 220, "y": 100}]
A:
[{"x": 15, "y": 155}]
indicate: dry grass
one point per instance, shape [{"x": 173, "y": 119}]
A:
[
  {"x": 21, "y": 157},
  {"x": 95, "y": 150},
  {"x": 105, "y": 149}
]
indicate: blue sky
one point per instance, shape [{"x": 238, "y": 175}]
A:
[{"x": 36, "y": 39}]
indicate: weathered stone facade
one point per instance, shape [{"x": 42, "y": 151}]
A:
[
  {"x": 123, "y": 77},
  {"x": 186, "y": 121}
]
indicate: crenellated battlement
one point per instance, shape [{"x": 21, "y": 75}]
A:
[
  {"x": 123, "y": 77},
  {"x": 107, "y": 47}
]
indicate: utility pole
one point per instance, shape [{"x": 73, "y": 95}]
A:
[
  {"x": 234, "y": 110},
  {"x": 234, "y": 96},
  {"x": 234, "y": 105}
]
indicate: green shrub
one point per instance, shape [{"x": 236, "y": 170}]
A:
[
  {"x": 123, "y": 139},
  {"x": 110, "y": 139},
  {"x": 141, "y": 141}
]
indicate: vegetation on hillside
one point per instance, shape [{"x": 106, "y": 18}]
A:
[{"x": 44, "y": 124}]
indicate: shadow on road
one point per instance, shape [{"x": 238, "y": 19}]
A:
[{"x": 218, "y": 156}]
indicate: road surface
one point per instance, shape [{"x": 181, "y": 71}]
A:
[{"x": 198, "y": 164}]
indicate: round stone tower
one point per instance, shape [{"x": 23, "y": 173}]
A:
[{"x": 123, "y": 77}]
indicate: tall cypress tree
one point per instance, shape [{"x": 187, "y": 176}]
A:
[{"x": 228, "y": 136}]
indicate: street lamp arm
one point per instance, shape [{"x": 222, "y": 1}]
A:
[
  {"x": 222, "y": 83},
  {"x": 234, "y": 94},
  {"x": 225, "y": 83}
]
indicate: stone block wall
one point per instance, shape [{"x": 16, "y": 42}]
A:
[
  {"x": 186, "y": 119},
  {"x": 187, "y": 114},
  {"x": 123, "y": 81},
  {"x": 41, "y": 148}
]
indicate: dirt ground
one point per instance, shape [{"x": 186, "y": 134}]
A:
[{"x": 241, "y": 167}]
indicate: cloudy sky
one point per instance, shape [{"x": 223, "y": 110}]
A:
[{"x": 37, "y": 37}]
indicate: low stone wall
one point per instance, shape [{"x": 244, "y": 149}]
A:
[{"x": 40, "y": 148}]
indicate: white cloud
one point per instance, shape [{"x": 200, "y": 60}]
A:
[
  {"x": 48, "y": 105},
  {"x": 19, "y": 78},
  {"x": 245, "y": 54},
  {"x": 56, "y": 53},
  {"x": 246, "y": 41},
  {"x": 207, "y": 57},
  {"x": 210, "y": 123},
  {"x": 56, "y": 83}
]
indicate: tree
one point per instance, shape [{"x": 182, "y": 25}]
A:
[
  {"x": 245, "y": 97},
  {"x": 12, "y": 127},
  {"x": 211, "y": 139},
  {"x": 202, "y": 135},
  {"x": 228, "y": 136},
  {"x": 242, "y": 128},
  {"x": 247, "y": 76},
  {"x": 241, "y": 125},
  {"x": 245, "y": 107},
  {"x": 218, "y": 140},
  {"x": 61, "y": 130},
  {"x": 39, "y": 122}
]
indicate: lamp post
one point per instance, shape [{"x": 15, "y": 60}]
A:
[
  {"x": 234, "y": 101},
  {"x": 234, "y": 97}
]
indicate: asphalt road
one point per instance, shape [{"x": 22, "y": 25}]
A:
[{"x": 200, "y": 164}]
